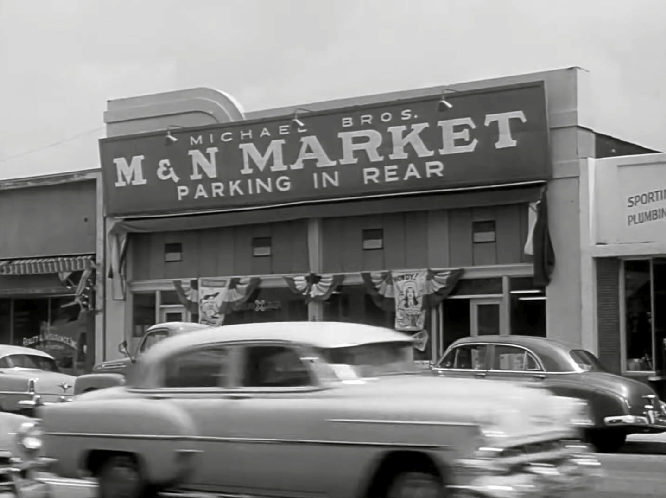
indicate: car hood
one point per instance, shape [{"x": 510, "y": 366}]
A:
[
  {"x": 505, "y": 407},
  {"x": 630, "y": 389},
  {"x": 45, "y": 382}
]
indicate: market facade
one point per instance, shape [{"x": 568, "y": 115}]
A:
[
  {"x": 430, "y": 211},
  {"x": 50, "y": 252}
]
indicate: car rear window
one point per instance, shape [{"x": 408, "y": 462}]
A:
[{"x": 586, "y": 360}]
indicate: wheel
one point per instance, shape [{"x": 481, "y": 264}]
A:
[
  {"x": 606, "y": 441},
  {"x": 416, "y": 485},
  {"x": 120, "y": 477}
]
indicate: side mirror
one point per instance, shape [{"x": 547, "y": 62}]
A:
[{"x": 122, "y": 348}]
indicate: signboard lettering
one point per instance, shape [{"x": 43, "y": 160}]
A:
[{"x": 493, "y": 137}]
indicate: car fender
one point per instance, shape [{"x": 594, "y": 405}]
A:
[
  {"x": 94, "y": 381},
  {"x": 12, "y": 390},
  {"x": 602, "y": 402},
  {"x": 158, "y": 432}
]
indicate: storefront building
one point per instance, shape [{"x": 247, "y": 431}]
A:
[
  {"x": 49, "y": 251},
  {"x": 626, "y": 257},
  {"x": 414, "y": 210}
]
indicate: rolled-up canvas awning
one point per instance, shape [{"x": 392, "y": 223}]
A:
[{"x": 36, "y": 266}]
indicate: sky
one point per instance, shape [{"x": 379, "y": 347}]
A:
[{"x": 62, "y": 60}]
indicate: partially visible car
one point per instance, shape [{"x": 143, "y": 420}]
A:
[
  {"x": 618, "y": 405},
  {"x": 112, "y": 373},
  {"x": 313, "y": 409},
  {"x": 21, "y": 462},
  {"x": 29, "y": 377}
]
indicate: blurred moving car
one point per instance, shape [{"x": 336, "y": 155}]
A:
[
  {"x": 29, "y": 377},
  {"x": 619, "y": 406},
  {"x": 20, "y": 462},
  {"x": 112, "y": 373},
  {"x": 313, "y": 408}
]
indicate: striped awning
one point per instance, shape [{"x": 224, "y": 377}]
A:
[{"x": 35, "y": 266}]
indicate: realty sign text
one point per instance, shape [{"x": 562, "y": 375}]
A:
[{"x": 491, "y": 137}]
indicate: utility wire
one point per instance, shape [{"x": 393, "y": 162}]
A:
[{"x": 60, "y": 142}]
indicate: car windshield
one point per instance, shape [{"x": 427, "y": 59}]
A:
[
  {"x": 370, "y": 360},
  {"x": 587, "y": 361},
  {"x": 28, "y": 361}
]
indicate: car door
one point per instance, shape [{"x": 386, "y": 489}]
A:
[
  {"x": 279, "y": 418},
  {"x": 464, "y": 360},
  {"x": 515, "y": 363},
  {"x": 197, "y": 382}
]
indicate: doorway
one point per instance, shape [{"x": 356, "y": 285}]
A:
[{"x": 485, "y": 316}]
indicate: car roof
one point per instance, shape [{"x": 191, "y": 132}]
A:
[
  {"x": 177, "y": 327},
  {"x": 317, "y": 334},
  {"x": 519, "y": 340},
  {"x": 9, "y": 349}
]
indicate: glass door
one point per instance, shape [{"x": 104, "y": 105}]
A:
[
  {"x": 172, "y": 314},
  {"x": 485, "y": 316}
]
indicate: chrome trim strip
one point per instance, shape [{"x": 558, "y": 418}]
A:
[
  {"x": 168, "y": 437},
  {"x": 400, "y": 422}
]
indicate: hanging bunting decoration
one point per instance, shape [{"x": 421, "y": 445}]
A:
[
  {"x": 439, "y": 285},
  {"x": 188, "y": 294},
  {"x": 544, "y": 255},
  {"x": 237, "y": 291},
  {"x": 380, "y": 287},
  {"x": 314, "y": 287}
]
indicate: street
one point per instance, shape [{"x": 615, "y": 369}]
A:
[{"x": 638, "y": 471}]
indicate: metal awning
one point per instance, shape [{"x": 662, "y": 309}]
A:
[{"x": 36, "y": 266}]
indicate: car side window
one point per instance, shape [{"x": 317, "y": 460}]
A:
[
  {"x": 274, "y": 366},
  {"x": 514, "y": 359},
  {"x": 152, "y": 338},
  {"x": 200, "y": 368},
  {"x": 466, "y": 357}
]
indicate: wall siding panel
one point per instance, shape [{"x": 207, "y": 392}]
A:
[
  {"x": 437, "y": 242},
  {"x": 460, "y": 237},
  {"x": 373, "y": 259},
  {"x": 416, "y": 239},
  {"x": 394, "y": 240},
  {"x": 507, "y": 224}
]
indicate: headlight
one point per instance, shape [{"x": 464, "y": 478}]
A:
[{"x": 30, "y": 437}]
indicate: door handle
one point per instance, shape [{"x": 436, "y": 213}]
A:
[
  {"x": 539, "y": 376},
  {"x": 480, "y": 374}
]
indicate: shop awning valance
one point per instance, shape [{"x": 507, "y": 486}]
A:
[{"x": 35, "y": 266}]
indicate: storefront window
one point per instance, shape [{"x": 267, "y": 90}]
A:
[
  {"x": 353, "y": 304},
  {"x": 5, "y": 320},
  {"x": 456, "y": 320},
  {"x": 277, "y": 304},
  {"x": 143, "y": 313},
  {"x": 638, "y": 316},
  {"x": 528, "y": 308},
  {"x": 56, "y": 325}
]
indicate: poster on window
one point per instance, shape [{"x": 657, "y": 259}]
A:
[
  {"x": 409, "y": 291},
  {"x": 211, "y": 297}
]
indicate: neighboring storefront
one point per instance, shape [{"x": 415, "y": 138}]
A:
[
  {"x": 48, "y": 255},
  {"x": 427, "y": 211},
  {"x": 627, "y": 258}
]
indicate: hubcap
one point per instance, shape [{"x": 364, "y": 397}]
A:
[{"x": 122, "y": 479}]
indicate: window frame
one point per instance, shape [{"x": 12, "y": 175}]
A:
[
  {"x": 162, "y": 373},
  {"x": 467, "y": 344},
  {"x": 536, "y": 358},
  {"x": 315, "y": 384}
]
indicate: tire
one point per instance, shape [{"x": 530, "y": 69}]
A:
[
  {"x": 415, "y": 485},
  {"x": 606, "y": 440},
  {"x": 120, "y": 476}
]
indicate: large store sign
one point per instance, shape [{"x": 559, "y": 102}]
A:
[
  {"x": 631, "y": 199},
  {"x": 497, "y": 136}
]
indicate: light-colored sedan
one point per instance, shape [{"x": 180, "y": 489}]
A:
[
  {"x": 29, "y": 377},
  {"x": 313, "y": 409}
]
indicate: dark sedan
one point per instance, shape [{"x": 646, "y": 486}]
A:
[{"x": 618, "y": 405}]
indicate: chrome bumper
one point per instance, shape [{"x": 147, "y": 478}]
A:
[
  {"x": 579, "y": 472},
  {"x": 648, "y": 422}
]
